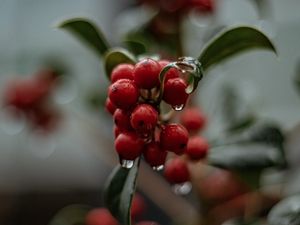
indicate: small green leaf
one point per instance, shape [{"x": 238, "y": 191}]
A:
[
  {"x": 231, "y": 42},
  {"x": 286, "y": 212},
  {"x": 119, "y": 192},
  {"x": 115, "y": 57},
  {"x": 88, "y": 33},
  {"x": 136, "y": 47},
  {"x": 71, "y": 215}
]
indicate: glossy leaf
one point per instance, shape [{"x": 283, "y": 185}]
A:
[
  {"x": 119, "y": 192},
  {"x": 115, "y": 57},
  {"x": 71, "y": 215},
  {"x": 87, "y": 32},
  {"x": 286, "y": 212},
  {"x": 230, "y": 42},
  {"x": 258, "y": 147},
  {"x": 244, "y": 156}
]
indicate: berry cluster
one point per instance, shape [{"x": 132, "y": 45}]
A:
[
  {"x": 29, "y": 97},
  {"x": 179, "y": 6},
  {"x": 134, "y": 100}
]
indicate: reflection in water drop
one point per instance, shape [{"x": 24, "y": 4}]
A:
[
  {"x": 12, "y": 121},
  {"x": 41, "y": 145},
  {"x": 127, "y": 163},
  {"x": 178, "y": 107},
  {"x": 66, "y": 91},
  {"x": 158, "y": 168},
  {"x": 182, "y": 189}
]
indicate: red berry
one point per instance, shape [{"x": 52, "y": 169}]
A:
[
  {"x": 100, "y": 216},
  {"x": 122, "y": 71},
  {"x": 154, "y": 155},
  {"x": 147, "y": 223},
  {"x": 203, "y": 5},
  {"x": 197, "y": 148},
  {"x": 146, "y": 73},
  {"x": 117, "y": 131},
  {"x": 176, "y": 171},
  {"x": 193, "y": 119},
  {"x": 172, "y": 73},
  {"x": 144, "y": 118},
  {"x": 174, "y": 92},
  {"x": 109, "y": 106},
  {"x": 138, "y": 206},
  {"x": 122, "y": 119},
  {"x": 123, "y": 93},
  {"x": 174, "y": 138},
  {"x": 129, "y": 146}
]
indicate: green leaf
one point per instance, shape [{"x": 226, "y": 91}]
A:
[
  {"x": 71, "y": 215},
  {"x": 286, "y": 212},
  {"x": 87, "y": 32},
  {"x": 115, "y": 57},
  {"x": 233, "y": 41},
  {"x": 136, "y": 47},
  {"x": 119, "y": 192},
  {"x": 243, "y": 157}
]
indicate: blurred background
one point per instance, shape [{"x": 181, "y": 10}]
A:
[{"x": 43, "y": 171}]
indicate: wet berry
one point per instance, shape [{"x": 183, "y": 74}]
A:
[
  {"x": 109, "y": 106},
  {"x": 174, "y": 92},
  {"x": 174, "y": 138},
  {"x": 100, "y": 216},
  {"x": 172, "y": 73},
  {"x": 122, "y": 119},
  {"x": 144, "y": 118},
  {"x": 154, "y": 155},
  {"x": 146, "y": 73},
  {"x": 193, "y": 119},
  {"x": 197, "y": 148},
  {"x": 129, "y": 146},
  {"x": 122, "y": 71},
  {"x": 123, "y": 93},
  {"x": 176, "y": 171}
]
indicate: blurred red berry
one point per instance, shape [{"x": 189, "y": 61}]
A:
[
  {"x": 122, "y": 119},
  {"x": 193, "y": 119},
  {"x": 176, "y": 171},
  {"x": 100, "y": 216},
  {"x": 109, "y": 106},
  {"x": 197, "y": 148},
  {"x": 138, "y": 206}
]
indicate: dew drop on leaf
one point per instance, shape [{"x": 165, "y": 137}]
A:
[
  {"x": 178, "y": 107},
  {"x": 127, "y": 163}
]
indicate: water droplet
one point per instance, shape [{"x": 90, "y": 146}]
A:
[
  {"x": 178, "y": 107},
  {"x": 158, "y": 168},
  {"x": 182, "y": 189},
  {"x": 127, "y": 163}
]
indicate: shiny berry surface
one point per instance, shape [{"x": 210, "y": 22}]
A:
[
  {"x": 123, "y": 93},
  {"x": 122, "y": 119},
  {"x": 174, "y": 92},
  {"x": 154, "y": 155},
  {"x": 144, "y": 118},
  {"x": 174, "y": 138},
  {"x": 146, "y": 73},
  {"x": 122, "y": 71},
  {"x": 129, "y": 146},
  {"x": 176, "y": 171},
  {"x": 197, "y": 148},
  {"x": 172, "y": 73}
]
